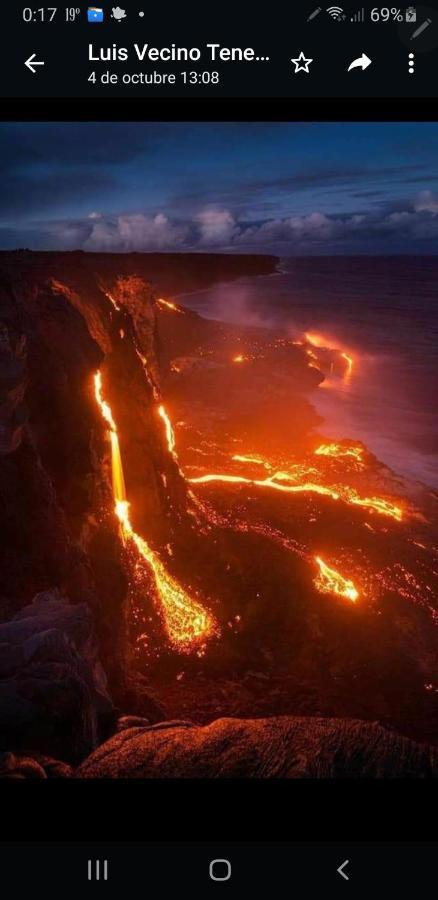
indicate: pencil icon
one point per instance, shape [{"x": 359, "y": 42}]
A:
[
  {"x": 315, "y": 13},
  {"x": 422, "y": 28}
]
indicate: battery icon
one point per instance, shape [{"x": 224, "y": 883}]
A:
[{"x": 411, "y": 14}]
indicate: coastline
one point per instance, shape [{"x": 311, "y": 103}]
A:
[{"x": 387, "y": 404}]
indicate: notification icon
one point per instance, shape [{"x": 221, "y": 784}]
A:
[{"x": 95, "y": 14}]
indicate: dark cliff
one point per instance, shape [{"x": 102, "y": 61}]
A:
[{"x": 62, "y": 318}]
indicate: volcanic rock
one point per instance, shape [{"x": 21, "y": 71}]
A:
[
  {"x": 127, "y": 722},
  {"x": 282, "y": 747},
  {"x": 12, "y": 389},
  {"x": 53, "y": 695},
  {"x": 37, "y": 766}
]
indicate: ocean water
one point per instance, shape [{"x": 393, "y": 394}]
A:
[{"x": 384, "y": 312}]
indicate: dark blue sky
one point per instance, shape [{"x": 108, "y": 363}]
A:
[{"x": 287, "y": 189}]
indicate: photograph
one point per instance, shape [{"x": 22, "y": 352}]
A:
[{"x": 218, "y": 450}]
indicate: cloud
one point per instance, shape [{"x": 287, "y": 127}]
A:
[
  {"x": 216, "y": 227},
  {"x": 135, "y": 232},
  {"x": 427, "y": 201},
  {"x": 410, "y": 227}
]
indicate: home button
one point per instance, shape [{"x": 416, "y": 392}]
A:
[{"x": 220, "y": 870}]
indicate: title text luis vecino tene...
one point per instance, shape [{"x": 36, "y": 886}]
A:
[{"x": 146, "y": 53}]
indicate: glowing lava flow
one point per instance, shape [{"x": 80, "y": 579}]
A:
[
  {"x": 329, "y": 581},
  {"x": 338, "y": 450},
  {"x": 383, "y": 507},
  {"x": 166, "y": 304},
  {"x": 350, "y": 363},
  {"x": 170, "y": 434},
  {"x": 276, "y": 480},
  {"x": 317, "y": 340},
  {"x": 111, "y": 299},
  {"x": 187, "y": 624},
  {"x": 252, "y": 460}
]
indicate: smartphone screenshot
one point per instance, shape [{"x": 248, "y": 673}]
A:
[{"x": 219, "y": 450}]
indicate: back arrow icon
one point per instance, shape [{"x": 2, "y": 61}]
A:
[
  {"x": 361, "y": 62},
  {"x": 341, "y": 870},
  {"x": 31, "y": 62}
]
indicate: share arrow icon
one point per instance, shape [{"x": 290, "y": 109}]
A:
[
  {"x": 31, "y": 62},
  {"x": 362, "y": 62}
]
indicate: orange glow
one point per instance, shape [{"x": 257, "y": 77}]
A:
[
  {"x": 329, "y": 581},
  {"x": 166, "y": 304},
  {"x": 104, "y": 408},
  {"x": 149, "y": 380},
  {"x": 170, "y": 434},
  {"x": 338, "y": 450},
  {"x": 349, "y": 361},
  {"x": 240, "y": 358},
  {"x": 383, "y": 507},
  {"x": 252, "y": 460},
  {"x": 188, "y": 625},
  {"x": 111, "y": 299},
  {"x": 318, "y": 340},
  {"x": 275, "y": 482}
]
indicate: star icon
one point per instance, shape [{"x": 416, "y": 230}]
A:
[{"x": 301, "y": 63}]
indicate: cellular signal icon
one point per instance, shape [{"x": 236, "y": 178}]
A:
[
  {"x": 336, "y": 13},
  {"x": 359, "y": 16}
]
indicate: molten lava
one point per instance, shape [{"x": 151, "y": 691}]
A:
[
  {"x": 111, "y": 299},
  {"x": 350, "y": 363},
  {"x": 377, "y": 504},
  {"x": 170, "y": 434},
  {"x": 338, "y": 451},
  {"x": 276, "y": 481},
  {"x": 317, "y": 340},
  {"x": 104, "y": 408},
  {"x": 252, "y": 460},
  {"x": 166, "y": 304},
  {"x": 187, "y": 624},
  {"x": 329, "y": 581}
]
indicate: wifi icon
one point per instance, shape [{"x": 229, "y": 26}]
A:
[{"x": 336, "y": 13}]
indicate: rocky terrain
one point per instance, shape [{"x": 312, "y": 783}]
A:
[{"x": 162, "y": 503}]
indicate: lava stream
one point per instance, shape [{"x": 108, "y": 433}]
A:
[
  {"x": 252, "y": 460},
  {"x": 349, "y": 361},
  {"x": 329, "y": 581},
  {"x": 277, "y": 479},
  {"x": 170, "y": 434},
  {"x": 187, "y": 624},
  {"x": 274, "y": 482},
  {"x": 317, "y": 340},
  {"x": 166, "y": 304},
  {"x": 111, "y": 299},
  {"x": 338, "y": 450}
]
